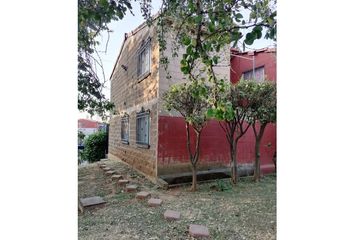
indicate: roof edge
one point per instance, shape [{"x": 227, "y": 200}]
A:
[{"x": 129, "y": 34}]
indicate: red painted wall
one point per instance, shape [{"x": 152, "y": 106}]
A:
[
  {"x": 214, "y": 147},
  {"x": 264, "y": 58}
]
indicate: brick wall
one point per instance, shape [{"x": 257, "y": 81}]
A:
[{"x": 130, "y": 94}]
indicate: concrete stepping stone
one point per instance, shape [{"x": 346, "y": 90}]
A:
[
  {"x": 110, "y": 173},
  {"x": 154, "y": 202},
  {"x": 103, "y": 165},
  {"x": 116, "y": 177},
  {"x": 198, "y": 230},
  {"x": 92, "y": 202},
  {"x": 131, "y": 188},
  {"x": 122, "y": 182},
  {"x": 172, "y": 215},
  {"x": 106, "y": 169},
  {"x": 142, "y": 195}
]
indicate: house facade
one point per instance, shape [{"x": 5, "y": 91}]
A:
[{"x": 142, "y": 132}]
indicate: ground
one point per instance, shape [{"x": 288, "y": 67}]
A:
[{"x": 245, "y": 212}]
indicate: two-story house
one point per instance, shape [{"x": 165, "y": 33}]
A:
[{"x": 142, "y": 132}]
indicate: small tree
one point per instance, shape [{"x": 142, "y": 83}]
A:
[
  {"x": 263, "y": 111},
  {"x": 190, "y": 100},
  {"x": 95, "y": 146},
  {"x": 231, "y": 110}
]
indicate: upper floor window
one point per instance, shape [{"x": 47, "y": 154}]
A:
[
  {"x": 142, "y": 127},
  {"x": 258, "y": 74},
  {"x": 124, "y": 131},
  {"x": 144, "y": 56}
]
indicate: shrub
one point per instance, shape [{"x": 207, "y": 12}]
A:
[{"x": 95, "y": 145}]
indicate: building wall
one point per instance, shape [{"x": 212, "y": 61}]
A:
[
  {"x": 130, "y": 95},
  {"x": 214, "y": 148},
  {"x": 172, "y": 154},
  {"x": 264, "y": 58},
  {"x": 167, "y": 152}
]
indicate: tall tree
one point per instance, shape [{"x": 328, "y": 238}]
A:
[
  {"x": 190, "y": 100},
  {"x": 231, "y": 109},
  {"x": 93, "y": 19},
  {"x": 262, "y": 112},
  {"x": 203, "y": 27}
]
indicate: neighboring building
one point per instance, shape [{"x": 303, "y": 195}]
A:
[
  {"x": 265, "y": 64},
  {"x": 89, "y": 127},
  {"x": 143, "y": 133}
]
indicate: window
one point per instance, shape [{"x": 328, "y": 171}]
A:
[
  {"x": 142, "y": 127},
  {"x": 124, "y": 133},
  {"x": 144, "y": 59},
  {"x": 258, "y": 72}
]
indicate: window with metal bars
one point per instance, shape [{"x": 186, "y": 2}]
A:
[
  {"x": 143, "y": 127},
  {"x": 124, "y": 133}
]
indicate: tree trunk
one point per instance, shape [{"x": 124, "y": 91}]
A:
[
  {"x": 275, "y": 161},
  {"x": 194, "y": 178},
  {"x": 234, "y": 176},
  {"x": 257, "y": 167}
]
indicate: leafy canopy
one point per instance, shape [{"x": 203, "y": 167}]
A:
[
  {"x": 190, "y": 100},
  {"x": 93, "y": 19}
]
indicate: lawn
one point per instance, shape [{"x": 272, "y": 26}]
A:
[{"x": 245, "y": 212}]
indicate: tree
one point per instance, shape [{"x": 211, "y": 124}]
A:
[
  {"x": 93, "y": 19},
  {"x": 202, "y": 27},
  {"x": 95, "y": 146},
  {"x": 231, "y": 110},
  {"x": 262, "y": 112},
  {"x": 190, "y": 100}
]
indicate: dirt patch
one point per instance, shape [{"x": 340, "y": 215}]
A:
[{"x": 245, "y": 212}]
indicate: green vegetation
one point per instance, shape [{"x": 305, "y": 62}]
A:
[
  {"x": 95, "y": 145},
  {"x": 191, "y": 101}
]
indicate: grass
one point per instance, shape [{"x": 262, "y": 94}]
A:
[{"x": 247, "y": 211}]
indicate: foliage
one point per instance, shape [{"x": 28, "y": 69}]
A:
[
  {"x": 95, "y": 146},
  {"x": 203, "y": 28},
  {"x": 223, "y": 185},
  {"x": 93, "y": 19},
  {"x": 231, "y": 109},
  {"x": 191, "y": 101},
  {"x": 262, "y": 111},
  {"x": 80, "y": 136},
  {"x": 263, "y": 104}
]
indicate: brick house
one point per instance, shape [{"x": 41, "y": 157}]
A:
[{"x": 142, "y": 132}]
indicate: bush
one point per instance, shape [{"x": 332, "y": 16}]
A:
[{"x": 95, "y": 145}]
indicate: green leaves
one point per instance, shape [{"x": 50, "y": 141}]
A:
[
  {"x": 186, "y": 40},
  {"x": 190, "y": 100},
  {"x": 95, "y": 146},
  {"x": 250, "y": 37},
  {"x": 93, "y": 19}
]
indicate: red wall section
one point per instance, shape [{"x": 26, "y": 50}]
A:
[
  {"x": 172, "y": 146},
  {"x": 240, "y": 65}
]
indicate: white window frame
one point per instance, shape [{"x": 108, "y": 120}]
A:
[{"x": 144, "y": 59}]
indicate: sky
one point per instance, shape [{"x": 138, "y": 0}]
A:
[{"x": 127, "y": 24}]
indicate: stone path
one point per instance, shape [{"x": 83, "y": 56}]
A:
[
  {"x": 197, "y": 231},
  {"x": 92, "y": 202}
]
